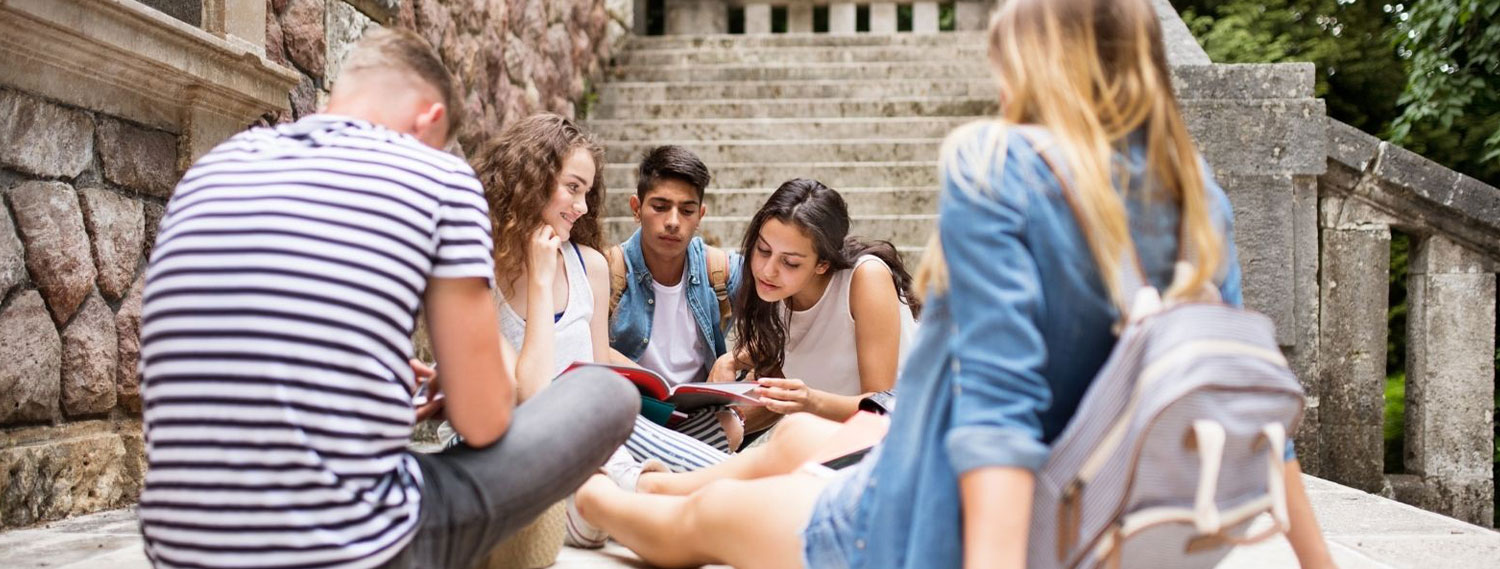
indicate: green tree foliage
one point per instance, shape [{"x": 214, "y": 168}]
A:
[
  {"x": 1450, "y": 108},
  {"x": 1360, "y": 74}
]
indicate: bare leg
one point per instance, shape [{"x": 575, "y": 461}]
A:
[
  {"x": 727, "y": 521},
  {"x": 796, "y": 439}
]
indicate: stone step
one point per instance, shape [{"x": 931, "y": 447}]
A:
[
  {"x": 616, "y": 130},
  {"x": 770, "y": 175},
  {"x": 717, "y": 152},
  {"x": 740, "y": 202},
  {"x": 804, "y": 108},
  {"x": 801, "y": 54},
  {"x": 933, "y": 71},
  {"x": 624, "y": 91},
  {"x": 738, "y": 41},
  {"x": 905, "y": 231}
]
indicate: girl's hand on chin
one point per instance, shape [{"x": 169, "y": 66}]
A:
[{"x": 541, "y": 255}]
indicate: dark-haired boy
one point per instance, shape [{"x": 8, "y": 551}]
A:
[{"x": 669, "y": 306}]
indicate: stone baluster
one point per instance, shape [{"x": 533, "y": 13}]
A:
[
  {"x": 841, "y": 18},
  {"x": 971, "y": 15},
  {"x": 241, "y": 23},
  {"x": 883, "y": 18},
  {"x": 924, "y": 17},
  {"x": 757, "y": 18},
  {"x": 799, "y": 18},
  {"x": 1354, "y": 297},
  {"x": 1450, "y": 371}
]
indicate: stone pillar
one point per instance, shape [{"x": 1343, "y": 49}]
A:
[
  {"x": 696, "y": 17},
  {"x": 757, "y": 18},
  {"x": 841, "y": 18},
  {"x": 639, "y": 20},
  {"x": 1450, "y": 386},
  {"x": 799, "y": 18},
  {"x": 924, "y": 17},
  {"x": 883, "y": 18},
  {"x": 1354, "y": 297},
  {"x": 972, "y": 15}
]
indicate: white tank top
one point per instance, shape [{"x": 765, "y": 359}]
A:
[
  {"x": 820, "y": 348},
  {"x": 573, "y": 340}
]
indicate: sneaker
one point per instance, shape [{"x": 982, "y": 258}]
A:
[
  {"x": 582, "y": 534},
  {"x": 626, "y": 471}
]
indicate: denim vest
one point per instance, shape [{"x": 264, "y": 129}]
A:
[{"x": 630, "y": 324}]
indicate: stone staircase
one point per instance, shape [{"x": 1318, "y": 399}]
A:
[{"x": 864, "y": 114}]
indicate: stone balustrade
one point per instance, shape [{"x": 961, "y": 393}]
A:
[
  {"x": 712, "y": 16},
  {"x": 1372, "y": 188}
]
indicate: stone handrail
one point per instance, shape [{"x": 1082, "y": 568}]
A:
[{"x": 1370, "y": 189}]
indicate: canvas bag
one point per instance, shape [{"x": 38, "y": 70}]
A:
[{"x": 1178, "y": 444}]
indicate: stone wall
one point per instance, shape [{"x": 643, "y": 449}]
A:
[
  {"x": 82, "y": 192},
  {"x": 513, "y": 57}
]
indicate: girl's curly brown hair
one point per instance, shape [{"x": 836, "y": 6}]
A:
[{"x": 519, "y": 168}]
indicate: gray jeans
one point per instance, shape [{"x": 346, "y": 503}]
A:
[{"x": 472, "y": 499}]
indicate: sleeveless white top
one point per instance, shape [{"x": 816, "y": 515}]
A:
[
  {"x": 573, "y": 341},
  {"x": 820, "y": 348}
]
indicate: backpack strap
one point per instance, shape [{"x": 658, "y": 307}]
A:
[
  {"x": 617, "y": 275},
  {"x": 718, "y": 278}
]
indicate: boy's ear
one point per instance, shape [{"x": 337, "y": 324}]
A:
[
  {"x": 432, "y": 125},
  {"x": 635, "y": 208}
]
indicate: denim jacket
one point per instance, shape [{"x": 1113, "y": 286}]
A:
[
  {"x": 1003, "y": 357},
  {"x": 630, "y": 325}
]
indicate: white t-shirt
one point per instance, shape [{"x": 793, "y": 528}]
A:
[{"x": 676, "y": 347}]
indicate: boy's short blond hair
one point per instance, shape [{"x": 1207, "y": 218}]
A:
[{"x": 405, "y": 51}]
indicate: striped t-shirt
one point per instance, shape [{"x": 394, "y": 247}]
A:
[{"x": 279, "y": 307}]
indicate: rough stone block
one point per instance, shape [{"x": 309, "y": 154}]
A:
[
  {"x": 53, "y": 480},
  {"x": 90, "y": 349},
  {"x": 345, "y": 26},
  {"x": 44, "y": 139},
  {"x": 30, "y": 362},
  {"x": 57, "y": 247},
  {"x": 128, "y": 336},
  {"x": 883, "y": 18},
  {"x": 302, "y": 26},
  {"x": 12, "y": 254},
  {"x": 152, "y": 212},
  {"x": 1351, "y": 366},
  {"x": 1181, "y": 47},
  {"x": 141, "y": 159},
  {"x": 116, "y": 226}
]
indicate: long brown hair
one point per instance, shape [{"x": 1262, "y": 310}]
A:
[
  {"x": 1093, "y": 72},
  {"x": 820, "y": 213},
  {"x": 518, "y": 169}
]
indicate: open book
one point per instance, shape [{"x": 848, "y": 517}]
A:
[{"x": 686, "y": 397}]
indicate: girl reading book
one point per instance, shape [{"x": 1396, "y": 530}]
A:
[
  {"x": 828, "y": 316},
  {"x": 1018, "y": 323}
]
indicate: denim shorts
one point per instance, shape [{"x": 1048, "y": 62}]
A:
[{"x": 829, "y": 540}]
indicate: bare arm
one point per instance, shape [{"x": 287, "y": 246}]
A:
[
  {"x": 535, "y": 367},
  {"x": 597, "y": 268},
  {"x": 996, "y": 504},
  {"x": 466, "y": 340},
  {"x": 1305, "y": 536}
]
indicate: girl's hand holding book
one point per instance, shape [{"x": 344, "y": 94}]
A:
[{"x": 786, "y": 396}]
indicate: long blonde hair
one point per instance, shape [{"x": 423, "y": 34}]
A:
[{"x": 1092, "y": 72}]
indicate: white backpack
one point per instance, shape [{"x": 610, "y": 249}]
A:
[{"x": 1178, "y": 443}]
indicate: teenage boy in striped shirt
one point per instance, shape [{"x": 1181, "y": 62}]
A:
[{"x": 279, "y": 307}]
